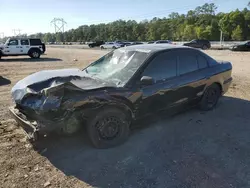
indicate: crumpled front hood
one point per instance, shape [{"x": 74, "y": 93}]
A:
[
  {"x": 37, "y": 82},
  {"x": 45, "y": 75}
]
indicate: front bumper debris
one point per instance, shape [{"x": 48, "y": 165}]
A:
[{"x": 30, "y": 127}]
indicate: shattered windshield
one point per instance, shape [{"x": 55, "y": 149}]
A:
[{"x": 118, "y": 66}]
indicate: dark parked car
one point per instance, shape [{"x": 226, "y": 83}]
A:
[
  {"x": 151, "y": 42},
  {"x": 245, "y": 46},
  {"x": 123, "y": 86},
  {"x": 199, "y": 43},
  {"x": 163, "y": 42},
  {"x": 96, "y": 44},
  {"x": 136, "y": 43}
]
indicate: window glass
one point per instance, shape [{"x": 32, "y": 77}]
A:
[
  {"x": 35, "y": 42},
  {"x": 187, "y": 62},
  {"x": 24, "y": 42},
  {"x": 13, "y": 42},
  {"x": 163, "y": 66},
  {"x": 202, "y": 62},
  {"x": 117, "y": 66}
]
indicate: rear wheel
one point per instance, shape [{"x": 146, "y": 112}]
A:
[
  {"x": 113, "y": 47},
  {"x": 35, "y": 54},
  {"x": 109, "y": 128},
  {"x": 210, "y": 97},
  {"x": 102, "y": 47},
  {"x": 204, "y": 47}
]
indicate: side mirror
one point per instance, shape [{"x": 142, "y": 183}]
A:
[{"x": 147, "y": 80}]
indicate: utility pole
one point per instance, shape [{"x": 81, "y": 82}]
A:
[
  {"x": 58, "y": 24},
  {"x": 1, "y": 35},
  {"x": 16, "y": 32},
  {"x": 221, "y": 38}
]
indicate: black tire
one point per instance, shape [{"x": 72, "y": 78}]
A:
[
  {"x": 113, "y": 47},
  {"x": 35, "y": 54},
  {"x": 102, "y": 47},
  {"x": 204, "y": 47},
  {"x": 210, "y": 98},
  {"x": 109, "y": 128}
]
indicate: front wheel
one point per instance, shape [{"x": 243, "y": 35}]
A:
[
  {"x": 109, "y": 128},
  {"x": 113, "y": 47},
  {"x": 102, "y": 47},
  {"x": 210, "y": 97}
]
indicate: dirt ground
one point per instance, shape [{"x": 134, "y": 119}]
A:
[{"x": 192, "y": 149}]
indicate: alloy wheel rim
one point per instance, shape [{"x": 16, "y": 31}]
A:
[{"x": 35, "y": 54}]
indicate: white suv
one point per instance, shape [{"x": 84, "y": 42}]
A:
[
  {"x": 18, "y": 46},
  {"x": 111, "y": 45}
]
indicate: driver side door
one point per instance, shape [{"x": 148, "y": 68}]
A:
[
  {"x": 156, "y": 97},
  {"x": 12, "y": 48}
]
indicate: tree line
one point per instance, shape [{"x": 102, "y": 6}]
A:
[{"x": 203, "y": 23}]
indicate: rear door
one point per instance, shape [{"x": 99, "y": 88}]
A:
[
  {"x": 193, "y": 75},
  {"x": 25, "y": 46}
]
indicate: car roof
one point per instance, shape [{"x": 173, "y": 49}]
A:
[
  {"x": 19, "y": 38},
  {"x": 156, "y": 47}
]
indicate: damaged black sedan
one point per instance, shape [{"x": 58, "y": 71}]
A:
[{"x": 122, "y": 86}]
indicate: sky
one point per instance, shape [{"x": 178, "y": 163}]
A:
[{"x": 35, "y": 16}]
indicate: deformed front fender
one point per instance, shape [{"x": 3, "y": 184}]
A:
[{"x": 90, "y": 106}]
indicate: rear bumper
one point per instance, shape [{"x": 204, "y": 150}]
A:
[{"x": 30, "y": 127}]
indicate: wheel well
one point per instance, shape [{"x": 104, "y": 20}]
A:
[
  {"x": 127, "y": 111},
  {"x": 33, "y": 49},
  {"x": 218, "y": 84},
  {"x": 90, "y": 112}
]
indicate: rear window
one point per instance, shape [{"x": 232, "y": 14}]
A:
[
  {"x": 24, "y": 42},
  {"x": 187, "y": 62},
  {"x": 35, "y": 42},
  {"x": 202, "y": 62}
]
